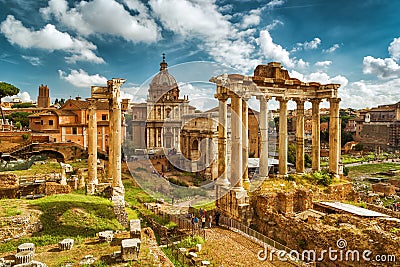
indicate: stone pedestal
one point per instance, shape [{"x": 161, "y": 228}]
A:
[
  {"x": 106, "y": 236},
  {"x": 135, "y": 229},
  {"x": 26, "y": 247},
  {"x": 24, "y": 257},
  {"x": 66, "y": 244},
  {"x": 130, "y": 249}
]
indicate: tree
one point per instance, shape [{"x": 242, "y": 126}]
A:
[{"x": 6, "y": 89}]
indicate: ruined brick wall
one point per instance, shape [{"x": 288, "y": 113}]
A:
[
  {"x": 384, "y": 188},
  {"x": 52, "y": 188},
  {"x": 9, "y": 184},
  {"x": 319, "y": 235}
]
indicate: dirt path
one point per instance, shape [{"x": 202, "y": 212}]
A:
[{"x": 226, "y": 248}]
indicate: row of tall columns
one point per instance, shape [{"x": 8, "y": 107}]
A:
[
  {"x": 283, "y": 137},
  {"x": 222, "y": 141},
  {"x": 245, "y": 143},
  {"x": 300, "y": 136},
  {"x": 236, "y": 139},
  {"x": 334, "y": 136},
  {"x": 92, "y": 145},
  {"x": 315, "y": 135}
]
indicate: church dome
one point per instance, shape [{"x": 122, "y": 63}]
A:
[
  {"x": 163, "y": 78},
  {"x": 162, "y": 83}
]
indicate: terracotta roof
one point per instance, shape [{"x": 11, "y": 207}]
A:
[{"x": 83, "y": 104}]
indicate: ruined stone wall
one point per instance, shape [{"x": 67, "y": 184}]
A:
[
  {"x": 8, "y": 185},
  {"x": 19, "y": 226},
  {"x": 384, "y": 188},
  {"x": 383, "y": 210},
  {"x": 319, "y": 235},
  {"x": 337, "y": 193}
]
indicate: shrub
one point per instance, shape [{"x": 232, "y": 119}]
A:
[{"x": 25, "y": 136}]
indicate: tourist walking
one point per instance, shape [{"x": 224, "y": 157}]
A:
[
  {"x": 210, "y": 221},
  {"x": 217, "y": 214},
  {"x": 203, "y": 221}
]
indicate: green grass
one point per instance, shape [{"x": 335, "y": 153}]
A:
[
  {"x": 373, "y": 168},
  {"x": 68, "y": 216},
  {"x": 49, "y": 167},
  {"x": 9, "y": 208},
  {"x": 205, "y": 205}
]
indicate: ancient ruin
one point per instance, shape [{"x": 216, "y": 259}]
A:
[{"x": 269, "y": 81}]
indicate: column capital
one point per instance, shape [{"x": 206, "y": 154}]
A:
[
  {"x": 335, "y": 100},
  {"x": 263, "y": 98},
  {"x": 315, "y": 100},
  {"x": 221, "y": 96},
  {"x": 282, "y": 99},
  {"x": 299, "y": 101}
]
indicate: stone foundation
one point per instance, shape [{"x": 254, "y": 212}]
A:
[{"x": 235, "y": 204}]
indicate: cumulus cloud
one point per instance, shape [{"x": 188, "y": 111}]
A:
[
  {"x": 313, "y": 44},
  {"x": 34, "y": 61},
  {"x": 81, "y": 78},
  {"x": 382, "y": 68},
  {"x": 275, "y": 3},
  {"x": 105, "y": 17},
  {"x": 394, "y": 49},
  {"x": 320, "y": 77},
  {"x": 24, "y": 96},
  {"x": 187, "y": 17},
  {"x": 331, "y": 49},
  {"x": 49, "y": 38},
  {"x": 363, "y": 93},
  {"x": 274, "y": 24},
  {"x": 323, "y": 64},
  {"x": 251, "y": 19}
]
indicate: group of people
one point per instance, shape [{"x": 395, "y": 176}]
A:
[{"x": 203, "y": 218}]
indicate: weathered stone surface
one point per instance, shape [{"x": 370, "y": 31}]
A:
[
  {"x": 106, "y": 236},
  {"x": 135, "y": 229},
  {"x": 384, "y": 188},
  {"x": 24, "y": 257},
  {"x": 26, "y": 247},
  {"x": 130, "y": 249},
  {"x": 66, "y": 244}
]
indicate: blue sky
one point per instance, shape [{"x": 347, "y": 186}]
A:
[{"x": 71, "y": 45}]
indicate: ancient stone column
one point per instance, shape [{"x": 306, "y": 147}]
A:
[
  {"x": 315, "y": 146},
  {"x": 236, "y": 150},
  {"x": 334, "y": 136},
  {"x": 245, "y": 143},
  {"x": 115, "y": 142},
  {"x": 222, "y": 135},
  {"x": 92, "y": 147},
  {"x": 300, "y": 136},
  {"x": 283, "y": 137},
  {"x": 263, "y": 168}
]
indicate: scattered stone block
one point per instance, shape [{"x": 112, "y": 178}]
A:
[
  {"x": 192, "y": 254},
  {"x": 66, "y": 244},
  {"x": 88, "y": 260},
  {"x": 183, "y": 250},
  {"x": 24, "y": 257},
  {"x": 26, "y": 247},
  {"x": 135, "y": 229},
  {"x": 198, "y": 247},
  {"x": 106, "y": 236},
  {"x": 130, "y": 249},
  {"x": 205, "y": 263},
  {"x": 31, "y": 264}
]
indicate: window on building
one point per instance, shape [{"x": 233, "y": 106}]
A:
[
  {"x": 41, "y": 122},
  {"x": 50, "y": 122},
  {"x": 74, "y": 130},
  {"x": 104, "y": 117}
]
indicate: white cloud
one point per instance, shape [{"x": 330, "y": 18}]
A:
[
  {"x": 382, "y": 68},
  {"x": 273, "y": 25},
  {"x": 106, "y": 17},
  {"x": 24, "y": 96},
  {"x": 275, "y": 3},
  {"x": 394, "y": 49},
  {"x": 251, "y": 19},
  {"x": 274, "y": 51},
  {"x": 313, "y": 44},
  {"x": 49, "y": 38},
  {"x": 191, "y": 17},
  {"x": 331, "y": 49},
  {"x": 320, "y": 77},
  {"x": 81, "y": 78},
  {"x": 35, "y": 61},
  {"x": 362, "y": 94},
  {"x": 323, "y": 64}
]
